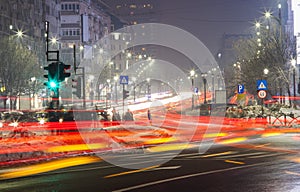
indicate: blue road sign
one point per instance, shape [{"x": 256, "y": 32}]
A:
[
  {"x": 196, "y": 90},
  {"x": 241, "y": 89},
  {"x": 124, "y": 79},
  {"x": 261, "y": 85}
]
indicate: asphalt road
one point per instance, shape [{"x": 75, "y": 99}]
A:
[{"x": 261, "y": 164}]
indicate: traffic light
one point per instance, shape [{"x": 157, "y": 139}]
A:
[
  {"x": 125, "y": 94},
  {"x": 52, "y": 75},
  {"x": 76, "y": 85},
  {"x": 62, "y": 71},
  {"x": 56, "y": 74}
]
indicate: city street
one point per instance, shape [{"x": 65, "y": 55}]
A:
[
  {"x": 261, "y": 164},
  {"x": 150, "y": 96}
]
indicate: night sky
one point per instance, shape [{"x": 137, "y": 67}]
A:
[{"x": 208, "y": 19}]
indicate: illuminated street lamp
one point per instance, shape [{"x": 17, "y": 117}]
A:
[
  {"x": 192, "y": 74},
  {"x": 204, "y": 85}
]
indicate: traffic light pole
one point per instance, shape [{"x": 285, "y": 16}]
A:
[
  {"x": 123, "y": 99},
  {"x": 83, "y": 85},
  {"x": 83, "y": 76}
]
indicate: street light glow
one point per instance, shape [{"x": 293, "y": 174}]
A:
[
  {"x": 20, "y": 33},
  {"x": 257, "y": 24},
  {"x": 267, "y": 14},
  {"x": 266, "y": 71},
  {"x": 192, "y": 73}
]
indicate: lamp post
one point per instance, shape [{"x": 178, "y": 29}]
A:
[
  {"x": 33, "y": 81},
  {"x": 266, "y": 71},
  {"x": 293, "y": 62},
  {"x": 107, "y": 87},
  {"x": 133, "y": 79},
  {"x": 192, "y": 73},
  {"x": 116, "y": 89},
  {"x": 148, "y": 88},
  {"x": 204, "y": 86}
]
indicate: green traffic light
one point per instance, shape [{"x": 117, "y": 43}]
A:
[{"x": 53, "y": 84}]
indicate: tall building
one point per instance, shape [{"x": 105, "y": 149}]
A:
[
  {"x": 26, "y": 17},
  {"x": 134, "y": 11}
]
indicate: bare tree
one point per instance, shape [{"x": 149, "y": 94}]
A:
[
  {"x": 270, "y": 48},
  {"x": 17, "y": 65}
]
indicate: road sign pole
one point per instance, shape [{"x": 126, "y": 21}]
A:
[
  {"x": 123, "y": 99},
  {"x": 262, "y": 107}
]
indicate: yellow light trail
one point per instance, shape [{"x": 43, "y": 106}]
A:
[
  {"x": 212, "y": 135},
  {"x": 46, "y": 167},
  {"x": 170, "y": 147},
  {"x": 234, "y": 140},
  {"x": 160, "y": 140},
  {"x": 78, "y": 147},
  {"x": 130, "y": 172},
  {"x": 271, "y": 134}
]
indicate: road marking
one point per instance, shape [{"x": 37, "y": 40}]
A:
[
  {"x": 242, "y": 155},
  {"x": 267, "y": 155},
  {"x": 130, "y": 172},
  {"x": 235, "y": 162},
  {"x": 215, "y": 154},
  {"x": 167, "y": 168},
  {"x": 292, "y": 173},
  {"x": 189, "y": 176}
]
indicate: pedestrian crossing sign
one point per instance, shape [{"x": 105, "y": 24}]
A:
[
  {"x": 261, "y": 85},
  {"x": 124, "y": 79}
]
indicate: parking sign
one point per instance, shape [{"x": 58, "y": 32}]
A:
[{"x": 241, "y": 89}]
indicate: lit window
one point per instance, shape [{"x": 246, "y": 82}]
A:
[{"x": 132, "y": 6}]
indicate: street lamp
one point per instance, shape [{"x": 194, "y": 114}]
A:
[
  {"x": 148, "y": 88},
  {"x": 107, "y": 87},
  {"x": 134, "y": 79},
  {"x": 192, "y": 73},
  {"x": 293, "y": 62},
  {"x": 116, "y": 88},
  {"x": 204, "y": 85},
  {"x": 32, "y": 82}
]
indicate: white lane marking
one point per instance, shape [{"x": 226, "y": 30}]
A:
[
  {"x": 188, "y": 176},
  {"x": 166, "y": 168},
  {"x": 242, "y": 155},
  {"x": 267, "y": 155}
]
